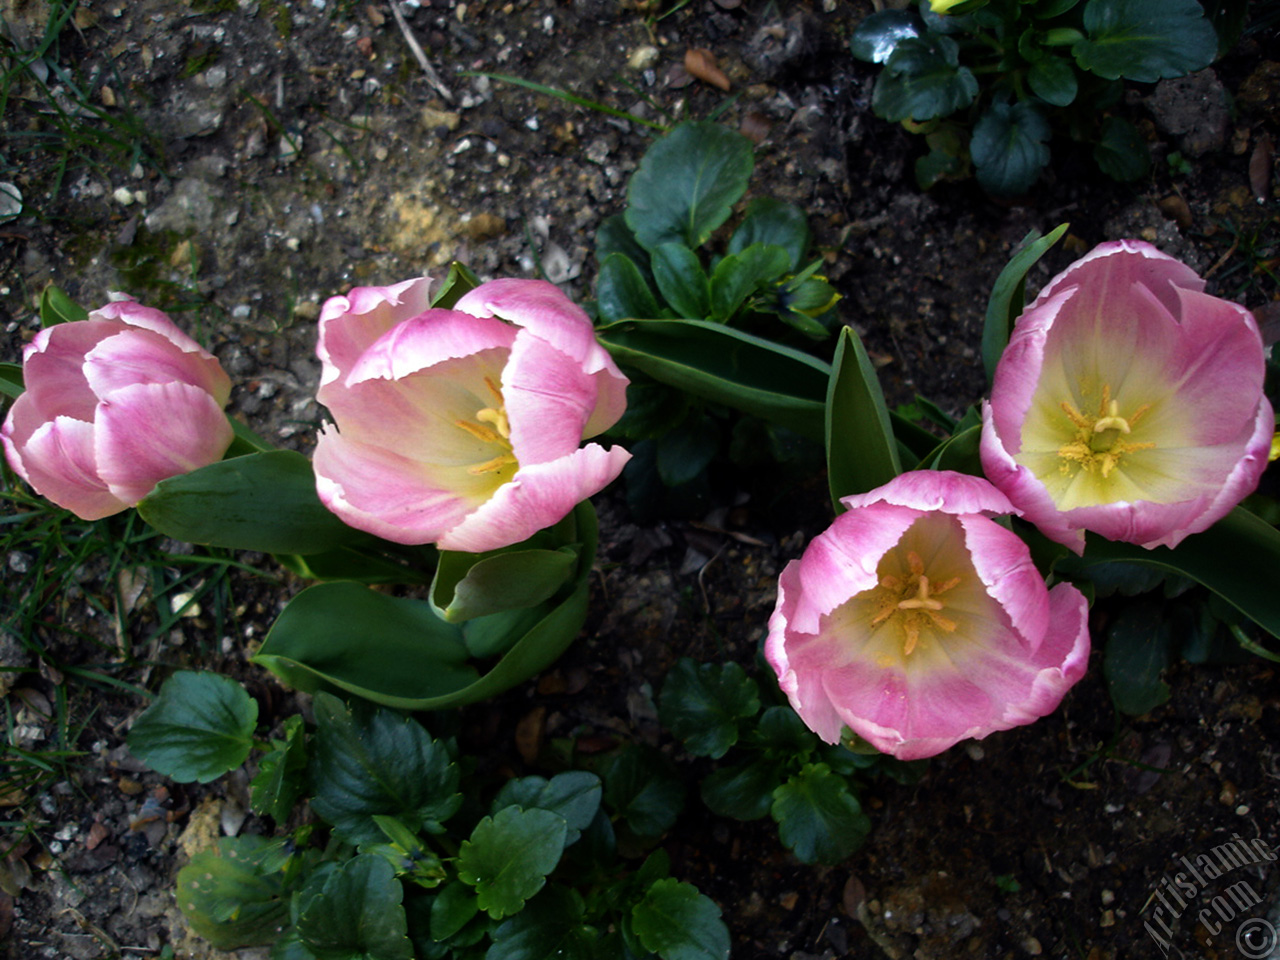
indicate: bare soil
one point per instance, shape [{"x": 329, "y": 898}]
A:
[{"x": 291, "y": 150}]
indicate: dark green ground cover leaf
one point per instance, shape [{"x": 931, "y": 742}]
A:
[
  {"x": 1121, "y": 152},
  {"x": 622, "y": 292},
  {"x": 358, "y": 914},
  {"x": 1139, "y": 647},
  {"x": 818, "y": 818},
  {"x": 574, "y": 795},
  {"x": 922, "y": 80},
  {"x": 198, "y": 728},
  {"x": 378, "y": 762},
  {"x": 677, "y": 922},
  {"x": 1010, "y": 147},
  {"x": 641, "y": 786},
  {"x": 876, "y": 37},
  {"x": 1053, "y": 80},
  {"x": 508, "y": 857},
  {"x": 681, "y": 280},
  {"x": 702, "y": 704},
  {"x": 281, "y": 774},
  {"x": 1145, "y": 40},
  {"x": 229, "y": 897},
  {"x": 772, "y": 222},
  {"x": 550, "y": 927},
  {"x": 743, "y": 791}
]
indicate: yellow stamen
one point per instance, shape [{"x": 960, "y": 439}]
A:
[
  {"x": 483, "y": 434},
  {"x": 1099, "y": 440},
  {"x": 913, "y": 602},
  {"x": 491, "y": 426},
  {"x": 492, "y": 466}
]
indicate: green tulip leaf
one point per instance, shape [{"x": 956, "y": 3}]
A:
[
  {"x": 818, "y": 818},
  {"x": 263, "y": 501},
  {"x": 1145, "y": 40},
  {"x": 687, "y": 183},
  {"x": 623, "y": 292},
  {"x": 677, "y": 922},
  {"x": 367, "y": 762},
  {"x": 923, "y": 80},
  {"x": 773, "y": 222},
  {"x": 199, "y": 727},
  {"x": 723, "y": 365},
  {"x": 469, "y": 585},
  {"x": 1121, "y": 153},
  {"x": 702, "y": 704},
  {"x": 861, "y": 451},
  {"x": 230, "y": 896},
  {"x": 458, "y": 282},
  {"x": 1010, "y": 148},
  {"x": 56, "y": 307},
  {"x": 281, "y": 774},
  {"x": 508, "y": 857},
  {"x": 681, "y": 280},
  {"x": 1008, "y": 295},
  {"x": 357, "y": 914},
  {"x": 11, "y": 384}
]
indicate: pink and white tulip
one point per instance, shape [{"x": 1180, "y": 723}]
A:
[
  {"x": 463, "y": 427},
  {"x": 113, "y": 405},
  {"x": 917, "y": 621},
  {"x": 1128, "y": 402}
]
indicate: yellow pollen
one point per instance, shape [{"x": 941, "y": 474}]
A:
[
  {"x": 491, "y": 426},
  {"x": 492, "y": 466},
  {"x": 1099, "y": 440},
  {"x": 914, "y": 603}
]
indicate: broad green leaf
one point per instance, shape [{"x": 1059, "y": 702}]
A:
[
  {"x": 573, "y": 795},
  {"x": 677, "y": 922},
  {"x": 1145, "y": 40},
  {"x": 11, "y": 384},
  {"x": 922, "y": 80},
  {"x": 1140, "y": 645},
  {"x": 263, "y": 501},
  {"x": 743, "y": 791},
  {"x": 686, "y": 451},
  {"x": 466, "y": 587},
  {"x": 358, "y": 914},
  {"x": 509, "y": 856},
  {"x": 495, "y": 634},
  {"x": 458, "y": 282},
  {"x": 641, "y": 786},
  {"x": 614, "y": 236},
  {"x": 783, "y": 734},
  {"x": 1007, "y": 295},
  {"x": 1047, "y": 9},
  {"x": 702, "y": 704},
  {"x": 550, "y": 927},
  {"x": 739, "y": 275},
  {"x": 877, "y": 36},
  {"x": 229, "y": 898},
  {"x": 374, "y": 761},
  {"x": 959, "y": 452},
  {"x": 723, "y": 365},
  {"x": 772, "y": 222},
  {"x": 360, "y": 639},
  {"x": 1121, "y": 153},
  {"x": 245, "y": 442},
  {"x": 281, "y": 774},
  {"x": 1228, "y": 18},
  {"x": 419, "y": 666},
  {"x": 818, "y": 818},
  {"x": 452, "y": 909},
  {"x": 198, "y": 728},
  {"x": 1053, "y": 80},
  {"x": 364, "y": 564},
  {"x": 681, "y": 280},
  {"x": 1213, "y": 559},
  {"x": 861, "y": 452},
  {"x": 56, "y": 307},
  {"x": 687, "y": 183},
  {"x": 1010, "y": 148},
  {"x": 622, "y": 292}
]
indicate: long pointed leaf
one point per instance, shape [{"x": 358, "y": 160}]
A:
[
  {"x": 1008, "y": 295},
  {"x": 861, "y": 451}
]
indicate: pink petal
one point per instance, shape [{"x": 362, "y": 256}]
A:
[
  {"x": 1109, "y": 270},
  {"x": 542, "y": 309},
  {"x": 941, "y": 490},
  {"x": 152, "y": 431},
  {"x": 1061, "y": 659},
  {"x": 1003, "y": 563},
  {"x": 53, "y": 368},
  {"x": 141, "y": 356},
  {"x": 57, "y": 459},
  {"x": 374, "y": 489},
  {"x": 539, "y": 496},
  {"x": 350, "y": 324},
  {"x": 426, "y": 340},
  {"x": 130, "y": 312},
  {"x": 549, "y": 401}
]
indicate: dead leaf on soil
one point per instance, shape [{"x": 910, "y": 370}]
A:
[
  {"x": 1260, "y": 168},
  {"x": 701, "y": 63},
  {"x": 1175, "y": 208},
  {"x": 529, "y": 734}
]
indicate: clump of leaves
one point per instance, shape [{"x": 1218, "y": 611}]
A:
[
  {"x": 408, "y": 869},
  {"x": 777, "y": 767},
  {"x": 658, "y": 265},
  {"x": 990, "y": 83}
]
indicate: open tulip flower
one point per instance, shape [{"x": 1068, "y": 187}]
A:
[
  {"x": 463, "y": 427},
  {"x": 1128, "y": 402},
  {"x": 918, "y": 621},
  {"x": 113, "y": 405}
]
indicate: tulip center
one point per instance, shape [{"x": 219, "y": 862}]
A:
[
  {"x": 1100, "y": 440},
  {"x": 912, "y": 602},
  {"x": 490, "y": 426}
]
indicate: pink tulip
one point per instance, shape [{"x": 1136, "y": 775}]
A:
[
  {"x": 918, "y": 621},
  {"x": 113, "y": 405},
  {"x": 1128, "y": 402},
  {"x": 463, "y": 427}
]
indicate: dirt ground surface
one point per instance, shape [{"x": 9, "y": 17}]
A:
[{"x": 276, "y": 153}]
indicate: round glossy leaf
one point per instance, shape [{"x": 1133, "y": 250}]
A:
[
  {"x": 876, "y": 37},
  {"x": 1009, "y": 148},
  {"x": 922, "y": 80},
  {"x": 198, "y": 728},
  {"x": 1053, "y": 80},
  {"x": 1145, "y": 40},
  {"x": 677, "y": 922}
]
